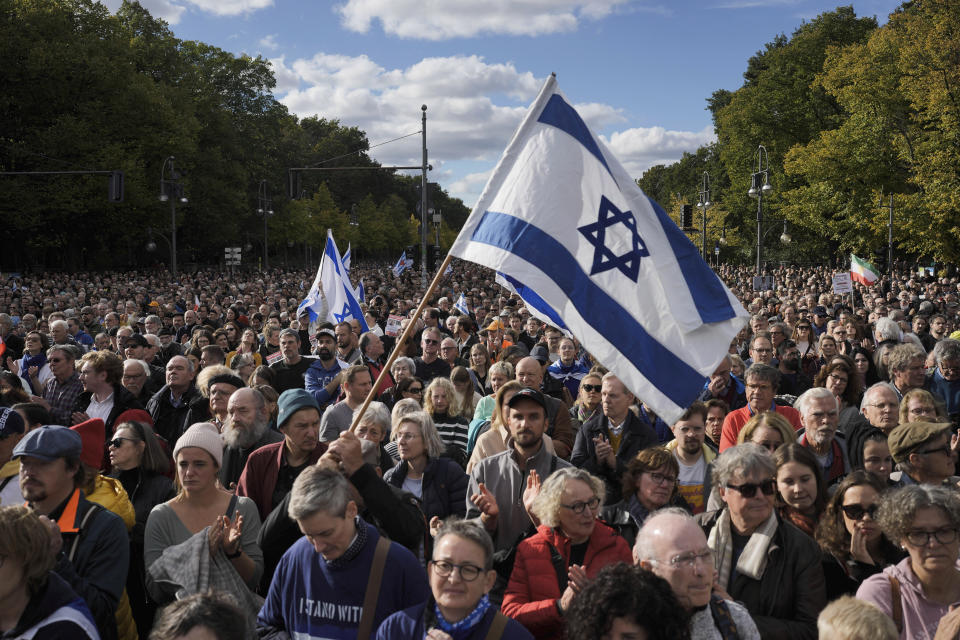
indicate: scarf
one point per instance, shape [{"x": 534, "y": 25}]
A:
[
  {"x": 797, "y": 519},
  {"x": 637, "y": 510},
  {"x": 584, "y": 414},
  {"x": 462, "y": 629},
  {"x": 28, "y": 361},
  {"x": 354, "y": 549},
  {"x": 753, "y": 560}
]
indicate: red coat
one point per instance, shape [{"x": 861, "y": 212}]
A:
[
  {"x": 736, "y": 420},
  {"x": 533, "y": 587}
]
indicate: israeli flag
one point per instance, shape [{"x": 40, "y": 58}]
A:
[
  {"x": 536, "y": 305},
  {"x": 331, "y": 297},
  {"x": 346, "y": 258},
  {"x": 561, "y": 216},
  {"x": 461, "y": 305},
  {"x": 361, "y": 294},
  {"x": 403, "y": 264}
]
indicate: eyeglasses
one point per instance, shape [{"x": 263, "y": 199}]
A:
[
  {"x": 429, "y": 341},
  {"x": 758, "y": 350},
  {"x": 590, "y": 388},
  {"x": 837, "y": 378},
  {"x": 414, "y": 390},
  {"x": 749, "y": 489},
  {"x": 578, "y": 507},
  {"x": 116, "y": 443},
  {"x": 468, "y": 572},
  {"x": 659, "y": 478},
  {"x": 884, "y": 405},
  {"x": 919, "y": 538},
  {"x": 946, "y": 450},
  {"x": 856, "y": 512},
  {"x": 56, "y": 360},
  {"x": 689, "y": 560}
]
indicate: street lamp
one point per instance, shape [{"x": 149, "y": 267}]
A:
[
  {"x": 171, "y": 190},
  {"x": 760, "y": 187},
  {"x": 785, "y": 237},
  {"x": 703, "y": 203},
  {"x": 265, "y": 209}
]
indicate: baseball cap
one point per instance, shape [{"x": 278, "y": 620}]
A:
[
  {"x": 527, "y": 394},
  {"x": 136, "y": 340},
  {"x": 48, "y": 443},
  {"x": 291, "y": 401},
  {"x": 819, "y": 311},
  {"x": 541, "y": 353},
  {"x": 11, "y": 423}
]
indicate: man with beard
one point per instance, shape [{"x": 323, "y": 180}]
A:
[
  {"x": 694, "y": 457},
  {"x": 90, "y": 543},
  {"x": 323, "y": 377},
  {"x": 347, "y": 342},
  {"x": 337, "y": 418},
  {"x": 820, "y": 415},
  {"x": 247, "y": 429},
  {"x": 793, "y": 382}
]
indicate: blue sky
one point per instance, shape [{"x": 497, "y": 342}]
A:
[{"x": 639, "y": 71}]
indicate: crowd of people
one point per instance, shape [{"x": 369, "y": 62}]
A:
[{"x": 193, "y": 454}]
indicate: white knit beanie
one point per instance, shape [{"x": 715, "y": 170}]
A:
[{"x": 205, "y": 436}]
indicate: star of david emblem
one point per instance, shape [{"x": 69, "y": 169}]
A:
[
  {"x": 344, "y": 313},
  {"x": 603, "y": 258}
]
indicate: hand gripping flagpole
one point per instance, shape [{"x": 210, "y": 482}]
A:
[{"x": 400, "y": 342}]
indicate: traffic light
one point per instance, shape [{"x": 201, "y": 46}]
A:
[
  {"x": 434, "y": 258},
  {"x": 115, "y": 187},
  {"x": 687, "y": 216},
  {"x": 413, "y": 253}
]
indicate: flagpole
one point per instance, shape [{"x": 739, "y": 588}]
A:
[{"x": 400, "y": 342}]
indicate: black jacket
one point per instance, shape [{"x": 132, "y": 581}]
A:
[
  {"x": 56, "y": 595},
  {"x": 637, "y": 436},
  {"x": 394, "y": 512},
  {"x": 169, "y": 421},
  {"x": 123, "y": 400},
  {"x": 444, "y": 487},
  {"x": 787, "y": 599}
]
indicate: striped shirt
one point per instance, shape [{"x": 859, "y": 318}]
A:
[{"x": 453, "y": 430}]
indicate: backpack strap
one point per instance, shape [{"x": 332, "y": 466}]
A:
[
  {"x": 896, "y": 603},
  {"x": 497, "y": 627},
  {"x": 87, "y": 517},
  {"x": 232, "y": 506},
  {"x": 560, "y": 566},
  {"x": 373, "y": 588}
]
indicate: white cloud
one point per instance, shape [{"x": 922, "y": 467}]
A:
[
  {"x": 443, "y": 19},
  {"x": 474, "y": 107},
  {"x": 230, "y": 7},
  {"x": 640, "y": 148},
  {"x": 163, "y": 9},
  {"x": 270, "y": 42}
]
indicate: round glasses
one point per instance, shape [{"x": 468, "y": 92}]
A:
[{"x": 468, "y": 572}]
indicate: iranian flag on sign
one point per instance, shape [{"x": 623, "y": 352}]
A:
[{"x": 862, "y": 271}]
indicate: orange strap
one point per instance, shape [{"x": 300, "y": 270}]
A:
[{"x": 68, "y": 519}]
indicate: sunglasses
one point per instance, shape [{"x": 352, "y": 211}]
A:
[
  {"x": 589, "y": 388},
  {"x": 415, "y": 390},
  {"x": 116, "y": 443},
  {"x": 856, "y": 512},
  {"x": 429, "y": 341},
  {"x": 749, "y": 489}
]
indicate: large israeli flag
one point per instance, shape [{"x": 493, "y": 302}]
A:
[
  {"x": 562, "y": 216},
  {"x": 331, "y": 297}
]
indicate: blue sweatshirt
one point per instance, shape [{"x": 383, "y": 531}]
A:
[{"x": 309, "y": 599}]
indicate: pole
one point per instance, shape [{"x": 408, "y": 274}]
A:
[
  {"x": 173, "y": 229},
  {"x": 423, "y": 202},
  {"x": 703, "y": 231},
  {"x": 759, "y": 223},
  {"x": 401, "y": 342},
  {"x": 890, "y": 238}
]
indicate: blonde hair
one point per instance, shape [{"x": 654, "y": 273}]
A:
[
  {"x": 770, "y": 420},
  {"x": 848, "y": 618},
  {"x": 546, "y": 505}
]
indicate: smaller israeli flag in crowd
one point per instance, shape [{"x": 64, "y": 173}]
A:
[
  {"x": 346, "y": 258},
  {"x": 361, "y": 294},
  {"x": 332, "y": 297},
  {"x": 461, "y": 305},
  {"x": 402, "y": 265}
]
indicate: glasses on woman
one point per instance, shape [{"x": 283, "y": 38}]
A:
[
  {"x": 856, "y": 511},
  {"x": 578, "y": 507},
  {"x": 414, "y": 390},
  {"x": 920, "y": 538},
  {"x": 590, "y": 388},
  {"x": 468, "y": 572},
  {"x": 659, "y": 478},
  {"x": 749, "y": 489},
  {"x": 117, "y": 442}
]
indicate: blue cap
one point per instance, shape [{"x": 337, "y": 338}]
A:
[
  {"x": 11, "y": 423},
  {"x": 291, "y": 401},
  {"x": 49, "y": 443}
]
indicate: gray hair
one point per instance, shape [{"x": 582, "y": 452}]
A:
[
  {"x": 62, "y": 348},
  {"x": 744, "y": 460},
  {"x": 887, "y": 329},
  {"x": 901, "y": 356},
  {"x": 546, "y": 505},
  {"x": 58, "y": 324},
  {"x": 898, "y": 508},
  {"x": 428, "y": 431},
  {"x": 946, "y": 349},
  {"x": 242, "y": 359},
  {"x": 502, "y": 367},
  {"x": 403, "y": 408},
  {"x": 871, "y": 390},
  {"x": 316, "y": 490},
  {"x": 802, "y": 403},
  {"x": 643, "y": 546},
  {"x": 763, "y": 373},
  {"x": 136, "y": 361},
  {"x": 152, "y": 318},
  {"x": 471, "y": 531},
  {"x": 376, "y": 413},
  {"x": 404, "y": 361}
]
